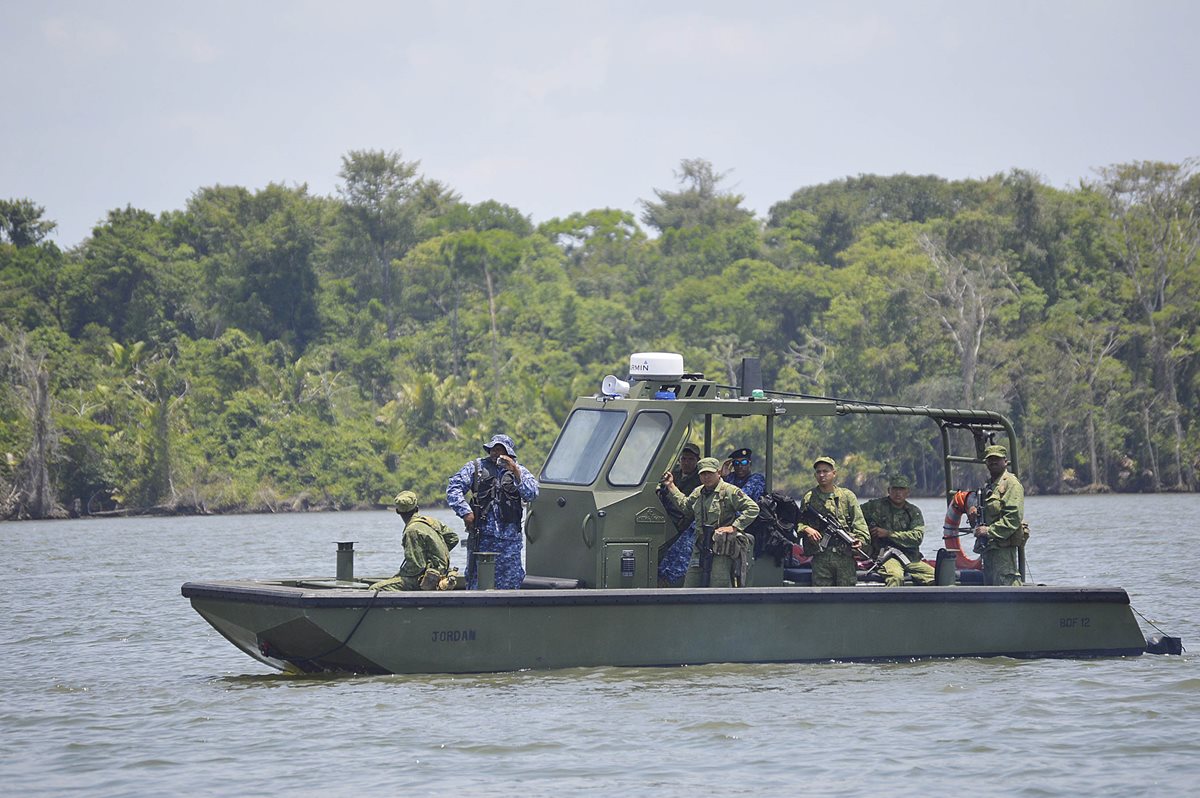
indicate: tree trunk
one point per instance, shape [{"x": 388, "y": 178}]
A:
[
  {"x": 41, "y": 492},
  {"x": 487, "y": 276},
  {"x": 1058, "y": 434},
  {"x": 1093, "y": 460},
  {"x": 1151, "y": 456}
]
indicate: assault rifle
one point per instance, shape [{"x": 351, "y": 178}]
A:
[
  {"x": 832, "y": 531},
  {"x": 480, "y": 502},
  {"x": 706, "y": 554},
  {"x": 980, "y": 543},
  {"x": 886, "y": 553}
]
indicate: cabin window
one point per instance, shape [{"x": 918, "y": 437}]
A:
[
  {"x": 639, "y": 449},
  {"x": 582, "y": 446}
]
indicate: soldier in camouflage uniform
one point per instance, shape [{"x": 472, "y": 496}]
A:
[
  {"x": 498, "y": 487},
  {"x": 1003, "y": 507},
  {"x": 897, "y": 529},
  {"x": 836, "y": 565},
  {"x": 427, "y": 545},
  {"x": 726, "y": 510},
  {"x": 673, "y": 564}
]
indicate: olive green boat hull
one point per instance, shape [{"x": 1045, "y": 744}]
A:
[{"x": 294, "y": 627}]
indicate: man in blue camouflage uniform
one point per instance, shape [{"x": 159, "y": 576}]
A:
[
  {"x": 673, "y": 564},
  {"x": 498, "y": 487},
  {"x": 1001, "y": 529},
  {"x": 736, "y": 471}
]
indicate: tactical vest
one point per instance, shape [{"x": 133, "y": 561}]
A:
[{"x": 487, "y": 488}]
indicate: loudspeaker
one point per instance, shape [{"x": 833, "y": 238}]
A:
[{"x": 614, "y": 387}]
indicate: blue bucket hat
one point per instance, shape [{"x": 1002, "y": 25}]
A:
[{"x": 504, "y": 441}]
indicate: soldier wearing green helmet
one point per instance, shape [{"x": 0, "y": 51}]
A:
[
  {"x": 722, "y": 553},
  {"x": 1001, "y": 529},
  {"x": 897, "y": 529},
  {"x": 835, "y": 566},
  {"x": 427, "y": 544}
]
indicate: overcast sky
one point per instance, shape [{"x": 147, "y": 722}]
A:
[{"x": 558, "y": 107}]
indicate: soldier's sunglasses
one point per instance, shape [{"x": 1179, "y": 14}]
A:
[{"x": 741, "y": 462}]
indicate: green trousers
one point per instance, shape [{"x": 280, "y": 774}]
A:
[
  {"x": 893, "y": 572},
  {"x": 1000, "y": 567},
  {"x": 834, "y": 568},
  {"x": 722, "y": 572}
]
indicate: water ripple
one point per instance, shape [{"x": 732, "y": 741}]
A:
[{"x": 121, "y": 690}]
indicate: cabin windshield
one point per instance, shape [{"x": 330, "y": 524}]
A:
[
  {"x": 582, "y": 446},
  {"x": 639, "y": 449}
]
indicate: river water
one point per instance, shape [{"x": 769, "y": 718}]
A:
[{"x": 113, "y": 686}]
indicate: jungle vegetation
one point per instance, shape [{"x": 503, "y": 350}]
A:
[{"x": 264, "y": 350}]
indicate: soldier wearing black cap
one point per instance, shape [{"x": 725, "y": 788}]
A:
[
  {"x": 1001, "y": 528},
  {"x": 736, "y": 471},
  {"x": 687, "y": 478},
  {"x": 673, "y": 564}
]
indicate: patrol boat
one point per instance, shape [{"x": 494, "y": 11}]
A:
[{"x": 594, "y": 537}]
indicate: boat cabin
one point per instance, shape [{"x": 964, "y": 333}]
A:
[{"x": 599, "y": 521}]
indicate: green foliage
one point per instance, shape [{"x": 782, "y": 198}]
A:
[
  {"x": 21, "y": 223},
  {"x": 271, "y": 350}
]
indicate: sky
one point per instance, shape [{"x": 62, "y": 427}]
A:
[{"x": 562, "y": 107}]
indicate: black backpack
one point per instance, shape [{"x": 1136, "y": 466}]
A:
[{"x": 774, "y": 530}]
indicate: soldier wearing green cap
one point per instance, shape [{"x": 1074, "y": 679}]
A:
[
  {"x": 427, "y": 544},
  {"x": 836, "y": 565},
  {"x": 723, "y": 551},
  {"x": 897, "y": 529},
  {"x": 1000, "y": 530}
]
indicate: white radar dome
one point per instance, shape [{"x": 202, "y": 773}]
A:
[{"x": 655, "y": 366}]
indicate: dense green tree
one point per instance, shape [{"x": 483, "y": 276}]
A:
[
  {"x": 29, "y": 285},
  {"x": 1157, "y": 210},
  {"x": 21, "y": 223},
  {"x": 827, "y": 218},
  {"x": 700, "y": 202},
  {"x": 605, "y": 251},
  {"x": 123, "y": 279},
  {"x": 382, "y": 203},
  {"x": 258, "y": 256},
  {"x": 272, "y": 350}
]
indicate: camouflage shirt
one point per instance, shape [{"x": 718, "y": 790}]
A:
[
  {"x": 1003, "y": 511},
  {"x": 724, "y": 505},
  {"x": 754, "y": 485},
  {"x": 427, "y": 544},
  {"x": 842, "y": 504},
  {"x": 906, "y": 523}
]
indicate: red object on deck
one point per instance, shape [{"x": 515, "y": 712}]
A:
[{"x": 950, "y": 532}]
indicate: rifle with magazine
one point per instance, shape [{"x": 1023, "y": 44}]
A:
[
  {"x": 706, "y": 554},
  {"x": 976, "y": 518},
  {"x": 886, "y": 553},
  {"x": 832, "y": 531}
]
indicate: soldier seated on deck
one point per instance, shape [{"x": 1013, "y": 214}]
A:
[
  {"x": 897, "y": 529},
  {"x": 427, "y": 545}
]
